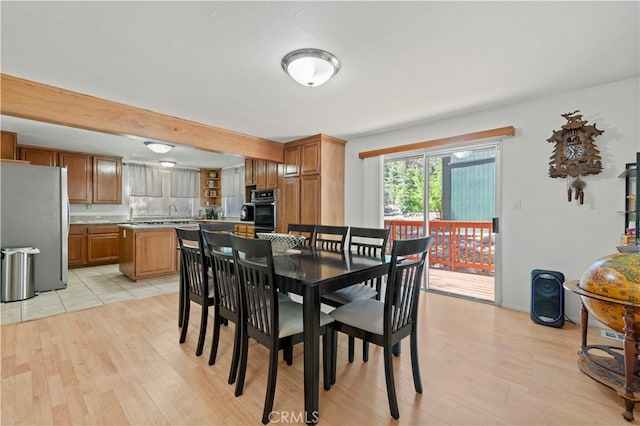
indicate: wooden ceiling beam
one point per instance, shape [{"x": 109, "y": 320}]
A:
[
  {"x": 40, "y": 102},
  {"x": 484, "y": 134}
]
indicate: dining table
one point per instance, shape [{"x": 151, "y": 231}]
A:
[{"x": 311, "y": 273}]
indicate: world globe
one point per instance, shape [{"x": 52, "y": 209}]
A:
[{"x": 616, "y": 277}]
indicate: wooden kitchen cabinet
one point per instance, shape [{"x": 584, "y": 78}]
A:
[
  {"x": 79, "y": 177},
  {"x": 91, "y": 179},
  {"x": 8, "y": 149},
  {"x": 102, "y": 244},
  {"x": 77, "y": 246},
  {"x": 310, "y": 194},
  {"x": 271, "y": 172},
  {"x": 259, "y": 170},
  {"x": 92, "y": 245},
  {"x": 310, "y": 158},
  {"x": 247, "y": 231},
  {"x": 290, "y": 202},
  {"x": 107, "y": 180},
  {"x": 313, "y": 186},
  {"x": 260, "y": 173},
  {"x": 38, "y": 156},
  {"x": 249, "y": 175},
  {"x": 148, "y": 252},
  {"x": 292, "y": 160},
  {"x": 303, "y": 157}
]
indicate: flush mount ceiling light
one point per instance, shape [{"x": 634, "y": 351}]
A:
[
  {"x": 160, "y": 148},
  {"x": 165, "y": 163},
  {"x": 310, "y": 67}
]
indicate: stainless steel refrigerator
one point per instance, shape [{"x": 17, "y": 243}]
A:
[{"x": 34, "y": 209}]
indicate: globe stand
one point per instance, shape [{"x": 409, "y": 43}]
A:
[{"x": 614, "y": 367}]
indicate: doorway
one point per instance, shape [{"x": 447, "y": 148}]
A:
[{"x": 450, "y": 195}]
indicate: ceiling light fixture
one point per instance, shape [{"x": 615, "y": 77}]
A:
[
  {"x": 160, "y": 148},
  {"x": 310, "y": 67},
  {"x": 166, "y": 163}
]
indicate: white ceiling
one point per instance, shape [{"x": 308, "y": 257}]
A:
[{"x": 402, "y": 63}]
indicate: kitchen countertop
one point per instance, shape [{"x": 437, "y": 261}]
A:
[
  {"x": 142, "y": 225},
  {"x": 119, "y": 220},
  {"x": 174, "y": 223}
]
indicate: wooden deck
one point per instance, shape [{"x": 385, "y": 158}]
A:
[{"x": 474, "y": 286}]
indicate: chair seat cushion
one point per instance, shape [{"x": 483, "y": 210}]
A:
[
  {"x": 363, "y": 314},
  {"x": 351, "y": 293},
  {"x": 290, "y": 315}
]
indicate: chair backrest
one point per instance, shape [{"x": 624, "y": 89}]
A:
[
  {"x": 193, "y": 262},
  {"x": 223, "y": 270},
  {"x": 403, "y": 284},
  {"x": 257, "y": 281},
  {"x": 308, "y": 231},
  {"x": 368, "y": 241},
  {"x": 218, "y": 227},
  {"x": 331, "y": 237}
]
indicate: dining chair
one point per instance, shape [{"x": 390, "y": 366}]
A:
[
  {"x": 226, "y": 295},
  {"x": 272, "y": 323},
  {"x": 304, "y": 230},
  {"x": 194, "y": 270},
  {"x": 183, "y": 300},
  {"x": 364, "y": 242},
  {"x": 218, "y": 227},
  {"x": 386, "y": 323},
  {"x": 330, "y": 237}
]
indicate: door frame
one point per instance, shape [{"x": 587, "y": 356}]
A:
[{"x": 496, "y": 146}]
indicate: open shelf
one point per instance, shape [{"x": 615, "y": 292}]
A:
[{"x": 210, "y": 187}]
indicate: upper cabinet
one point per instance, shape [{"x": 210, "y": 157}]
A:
[
  {"x": 9, "y": 148},
  {"x": 107, "y": 180},
  {"x": 271, "y": 173},
  {"x": 312, "y": 190},
  {"x": 302, "y": 159},
  {"x": 91, "y": 179},
  {"x": 249, "y": 176},
  {"x": 38, "y": 156},
  {"x": 79, "y": 176},
  {"x": 260, "y": 173}
]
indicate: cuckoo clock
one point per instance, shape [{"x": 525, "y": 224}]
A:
[{"x": 575, "y": 153}]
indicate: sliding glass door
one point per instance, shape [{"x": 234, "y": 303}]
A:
[{"x": 453, "y": 199}]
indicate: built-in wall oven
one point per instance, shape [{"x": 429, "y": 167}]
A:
[{"x": 265, "y": 209}]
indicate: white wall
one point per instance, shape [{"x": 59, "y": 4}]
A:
[{"x": 547, "y": 232}]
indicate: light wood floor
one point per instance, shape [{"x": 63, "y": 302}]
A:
[{"x": 122, "y": 364}]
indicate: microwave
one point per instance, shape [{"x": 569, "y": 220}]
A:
[{"x": 247, "y": 212}]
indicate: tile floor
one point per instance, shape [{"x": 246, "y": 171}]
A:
[{"x": 87, "y": 288}]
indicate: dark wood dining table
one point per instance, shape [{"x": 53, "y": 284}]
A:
[{"x": 311, "y": 273}]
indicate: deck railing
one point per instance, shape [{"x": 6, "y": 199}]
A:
[{"x": 458, "y": 245}]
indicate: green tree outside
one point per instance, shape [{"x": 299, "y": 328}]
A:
[{"x": 404, "y": 185}]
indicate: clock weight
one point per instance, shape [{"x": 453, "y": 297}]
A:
[{"x": 579, "y": 193}]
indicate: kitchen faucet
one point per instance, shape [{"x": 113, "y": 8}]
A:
[{"x": 174, "y": 207}]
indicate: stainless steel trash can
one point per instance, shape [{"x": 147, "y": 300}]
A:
[{"x": 18, "y": 279}]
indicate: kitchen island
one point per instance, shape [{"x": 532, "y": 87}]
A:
[{"x": 149, "y": 249}]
